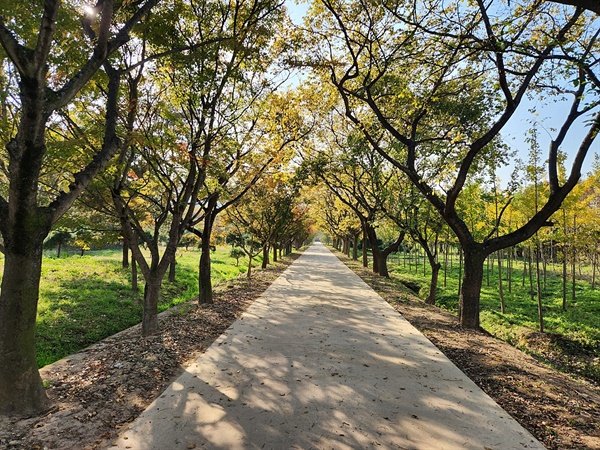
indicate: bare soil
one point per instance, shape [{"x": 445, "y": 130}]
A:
[{"x": 99, "y": 391}]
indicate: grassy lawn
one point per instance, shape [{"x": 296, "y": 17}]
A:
[
  {"x": 84, "y": 299},
  {"x": 572, "y": 337}
]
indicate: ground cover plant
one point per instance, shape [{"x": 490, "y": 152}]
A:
[
  {"x": 571, "y": 338},
  {"x": 84, "y": 299}
]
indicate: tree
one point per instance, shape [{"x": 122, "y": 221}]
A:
[
  {"x": 417, "y": 218},
  {"x": 58, "y": 239},
  {"x": 200, "y": 142},
  {"x": 269, "y": 210},
  {"x": 48, "y": 82},
  {"x": 442, "y": 81}
]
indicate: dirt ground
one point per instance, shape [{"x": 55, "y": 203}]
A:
[{"x": 102, "y": 389}]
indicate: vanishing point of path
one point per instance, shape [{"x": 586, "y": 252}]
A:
[{"x": 320, "y": 361}]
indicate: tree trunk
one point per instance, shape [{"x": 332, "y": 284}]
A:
[
  {"x": 151, "y": 296},
  {"x": 249, "y": 272},
  {"x": 470, "y": 293},
  {"x": 379, "y": 257},
  {"x": 365, "y": 256},
  {"x": 274, "y": 252},
  {"x": 530, "y": 274},
  {"x": 125, "y": 260},
  {"x": 385, "y": 253},
  {"x": 172, "y": 270},
  {"x": 134, "y": 275},
  {"x": 460, "y": 271},
  {"x": 355, "y": 247},
  {"x": 265, "y": 260},
  {"x": 435, "y": 271},
  {"x": 21, "y": 389},
  {"x": 446, "y": 263},
  {"x": 205, "y": 290},
  {"x": 59, "y": 249}
]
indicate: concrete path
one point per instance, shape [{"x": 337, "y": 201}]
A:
[{"x": 320, "y": 361}]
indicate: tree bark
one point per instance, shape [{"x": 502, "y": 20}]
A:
[
  {"x": 205, "y": 289},
  {"x": 265, "y": 261},
  {"x": 365, "y": 255},
  {"x": 172, "y": 270},
  {"x": 125, "y": 260},
  {"x": 249, "y": 272},
  {"x": 21, "y": 389},
  {"x": 151, "y": 296},
  {"x": 382, "y": 255},
  {"x": 134, "y": 276},
  {"x": 435, "y": 271},
  {"x": 474, "y": 260}
]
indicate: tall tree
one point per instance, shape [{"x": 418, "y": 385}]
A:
[
  {"x": 36, "y": 44},
  {"x": 444, "y": 80}
]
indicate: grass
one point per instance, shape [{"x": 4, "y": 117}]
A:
[
  {"x": 571, "y": 338},
  {"x": 84, "y": 299}
]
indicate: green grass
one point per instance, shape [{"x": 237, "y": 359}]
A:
[
  {"x": 571, "y": 341},
  {"x": 84, "y": 299}
]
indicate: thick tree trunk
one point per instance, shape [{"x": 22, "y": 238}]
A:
[
  {"x": 474, "y": 260},
  {"x": 21, "y": 389},
  {"x": 249, "y": 272},
  {"x": 151, "y": 296},
  {"x": 365, "y": 253},
  {"x": 275, "y": 252},
  {"x": 385, "y": 253}
]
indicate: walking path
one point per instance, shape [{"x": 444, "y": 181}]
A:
[{"x": 320, "y": 361}]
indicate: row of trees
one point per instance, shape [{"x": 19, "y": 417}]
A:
[
  {"x": 162, "y": 116},
  {"x": 426, "y": 90}
]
